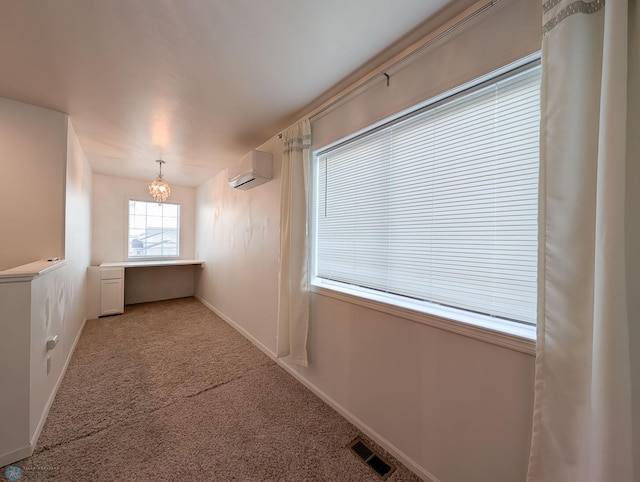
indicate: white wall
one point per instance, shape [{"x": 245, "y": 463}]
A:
[
  {"x": 109, "y": 239},
  {"x": 59, "y": 299},
  {"x": 33, "y": 144},
  {"x": 237, "y": 235},
  {"x": 52, "y": 304},
  {"x": 632, "y": 230},
  {"x": 507, "y": 32},
  {"x": 109, "y": 216},
  {"x": 159, "y": 283},
  {"x": 77, "y": 237},
  {"x": 451, "y": 407},
  {"x": 456, "y": 407}
]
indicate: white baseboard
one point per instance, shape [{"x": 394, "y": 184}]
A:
[
  {"x": 379, "y": 439},
  {"x": 47, "y": 407},
  {"x": 15, "y": 455},
  {"x": 388, "y": 446},
  {"x": 240, "y": 329}
]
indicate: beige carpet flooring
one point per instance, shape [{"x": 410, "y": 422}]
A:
[{"x": 169, "y": 392}]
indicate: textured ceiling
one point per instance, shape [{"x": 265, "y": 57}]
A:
[{"x": 196, "y": 82}]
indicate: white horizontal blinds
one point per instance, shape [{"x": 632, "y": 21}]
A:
[{"x": 441, "y": 206}]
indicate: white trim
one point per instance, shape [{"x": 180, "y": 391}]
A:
[
  {"x": 47, "y": 407},
  {"x": 379, "y": 439},
  {"x": 238, "y": 328},
  {"x": 28, "y": 272},
  {"x": 15, "y": 455},
  {"x": 515, "y": 336}
]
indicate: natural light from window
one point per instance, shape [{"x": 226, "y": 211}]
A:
[
  {"x": 154, "y": 230},
  {"x": 440, "y": 206}
]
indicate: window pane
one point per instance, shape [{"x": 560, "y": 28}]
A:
[
  {"x": 170, "y": 223},
  {"x": 154, "y": 209},
  {"x": 154, "y": 221},
  {"x": 139, "y": 221},
  {"x": 152, "y": 233},
  {"x": 440, "y": 206},
  {"x": 170, "y": 210}
]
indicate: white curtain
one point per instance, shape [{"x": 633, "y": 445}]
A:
[
  {"x": 293, "y": 292},
  {"x": 582, "y": 428}
]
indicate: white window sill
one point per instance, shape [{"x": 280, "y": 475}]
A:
[{"x": 516, "y": 336}]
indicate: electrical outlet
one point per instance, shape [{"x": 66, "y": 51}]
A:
[{"x": 48, "y": 364}]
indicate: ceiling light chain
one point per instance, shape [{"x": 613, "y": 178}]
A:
[{"x": 159, "y": 189}]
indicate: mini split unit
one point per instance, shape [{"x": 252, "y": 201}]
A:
[{"x": 253, "y": 169}]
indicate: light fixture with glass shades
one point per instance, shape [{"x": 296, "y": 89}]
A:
[{"x": 159, "y": 189}]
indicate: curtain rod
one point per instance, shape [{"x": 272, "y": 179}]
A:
[{"x": 433, "y": 37}]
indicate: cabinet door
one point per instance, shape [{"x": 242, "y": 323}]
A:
[{"x": 112, "y": 297}]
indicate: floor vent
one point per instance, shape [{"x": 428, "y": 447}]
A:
[{"x": 373, "y": 460}]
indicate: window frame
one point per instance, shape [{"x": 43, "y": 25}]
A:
[
  {"x": 152, "y": 258},
  {"x": 511, "y": 334}
]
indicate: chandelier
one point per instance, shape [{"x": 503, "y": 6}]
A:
[{"x": 159, "y": 189}]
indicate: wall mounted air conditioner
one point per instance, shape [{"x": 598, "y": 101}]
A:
[{"x": 253, "y": 169}]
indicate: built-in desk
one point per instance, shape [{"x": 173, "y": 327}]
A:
[
  {"x": 146, "y": 264},
  {"x": 112, "y": 282}
]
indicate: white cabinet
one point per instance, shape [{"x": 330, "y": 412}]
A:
[{"x": 111, "y": 291}]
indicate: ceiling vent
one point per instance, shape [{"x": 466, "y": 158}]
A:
[{"x": 253, "y": 169}]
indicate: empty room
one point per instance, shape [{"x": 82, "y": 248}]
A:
[{"x": 338, "y": 240}]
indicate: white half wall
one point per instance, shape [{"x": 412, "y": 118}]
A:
[
  {"x": 33, "y": 143},
  {"x": 15, "y": 308}
]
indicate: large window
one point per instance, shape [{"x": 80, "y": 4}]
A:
[
  {"x": 439, "y": 206},
  {"x": 154, "y": 230}
]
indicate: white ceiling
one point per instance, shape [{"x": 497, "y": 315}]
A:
[{"x": 197, "y": 83}]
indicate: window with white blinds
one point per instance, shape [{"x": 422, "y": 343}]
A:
[{"x": 440, "y": 205}]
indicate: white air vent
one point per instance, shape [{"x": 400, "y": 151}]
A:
[{"x": 253, "y": 169}]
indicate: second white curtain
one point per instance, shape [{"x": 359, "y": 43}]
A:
[
  {"x": 293, "y": 292},
  {"x": 582, "y": 413}
]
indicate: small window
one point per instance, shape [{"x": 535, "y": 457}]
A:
[
  {"x": 154, "y": 230},
  {"x": 439, "y": 206}
]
